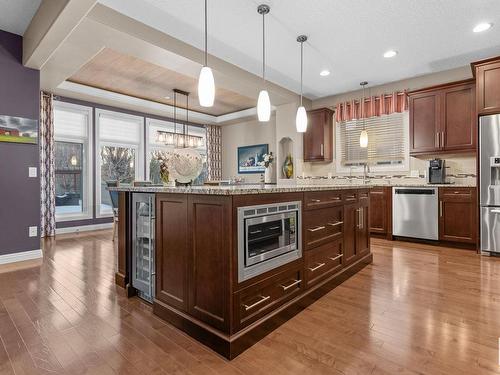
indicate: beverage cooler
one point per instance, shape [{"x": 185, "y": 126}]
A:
[{"x": 143, "y": 245}]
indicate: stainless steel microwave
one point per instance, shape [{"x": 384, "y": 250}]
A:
[{"x": 268, "y": 237}]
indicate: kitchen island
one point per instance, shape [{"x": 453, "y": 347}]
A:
[{"x": 227, "y": 265}]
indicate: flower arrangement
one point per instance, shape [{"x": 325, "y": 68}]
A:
[{"x": 267, "y": 160}]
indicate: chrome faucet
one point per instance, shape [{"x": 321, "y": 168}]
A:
[{"x": 366, "y": 170}]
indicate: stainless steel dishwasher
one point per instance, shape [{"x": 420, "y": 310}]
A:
[{"x": 415, "y": 212}]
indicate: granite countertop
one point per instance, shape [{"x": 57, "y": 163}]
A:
[
  {"x": 236, "y": 189},
  {"x": 264, "y": 189}
]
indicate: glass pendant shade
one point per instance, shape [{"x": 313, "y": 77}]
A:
[
  {"x": 206, "y": 87},
  {"x": 363, "y": 139},
  {"x": 263, "y": 106},
  {"x": 301, "y": 120}
]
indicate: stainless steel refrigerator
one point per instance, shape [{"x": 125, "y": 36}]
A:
[{"x": 489, "y": 185}]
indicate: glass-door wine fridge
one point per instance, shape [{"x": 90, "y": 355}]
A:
[{"x": 143, "y": 248}]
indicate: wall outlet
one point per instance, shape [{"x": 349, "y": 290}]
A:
[
  {"x": 33, "y": 231},
  {"x": 32, "y": 171}
]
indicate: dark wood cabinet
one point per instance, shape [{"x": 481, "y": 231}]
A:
[
  {"x": 458, "y": 215},
  {"x": 210, "y": 225},
  {"x": 363, "y": 228},
  {"x": 443, "y": 119},
  {"x": 487, "y": 74},
  {"x": 172, "y": 250},
  {"x": 356, "y": 230},
  {"x": 318, "y": 139},
  {"x": 378, "y": 210}
]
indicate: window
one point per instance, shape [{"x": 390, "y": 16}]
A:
[
  {"x": 72, "y": 130},
  {"x": 155, "y": 150},
  {"x": 387, "y": 143},
  {"x": 119, "y": 148}
]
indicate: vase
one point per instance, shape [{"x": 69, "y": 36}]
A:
[
  {"x": 288, "y": 167},
  {"x": 268, "y": 175}
]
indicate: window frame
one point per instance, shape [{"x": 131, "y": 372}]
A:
[
  {"x": 403, "y": 167},
  {"x": 138, "y": 147},
  {"x": 87, "y": 175}
]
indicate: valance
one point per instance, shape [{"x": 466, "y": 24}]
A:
[{"x": 373, "y": 106}]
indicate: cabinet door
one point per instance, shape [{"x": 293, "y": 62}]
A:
[
  {"x": 425, "y": 122},
  {"x": 378, "y": 210},
  {"x": 362, "y": 229},
  {"x": 458, "y": 215},
  {"x": 318, "y": 139},
  {"x": 488, "y": 88},
  {"x": 350, "y": 228},
  {"x": 210, "y": 226},
  {"x": 171, "y": 250},
  {"x": 458, "y": 131}
]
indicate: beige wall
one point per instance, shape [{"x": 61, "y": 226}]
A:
[{"x": 245, "y": 134}]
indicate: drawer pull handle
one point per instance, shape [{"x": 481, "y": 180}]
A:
[
  {"x": 335, "y": 224},
  {"x": 255, "y": 231},
  {"x": 351, "y": 197},
  {"x": 316, "y": 200},
  {"x": 296, "y": 282},
  {"x": 273, "y": 228},
  {"x": 262, "y": 300},
  {"x": 335, "y": 198},
  {"x": 337, "y": 257},
  {"x": 317, "y": 267},
  {"x": 316, "y": 229}
]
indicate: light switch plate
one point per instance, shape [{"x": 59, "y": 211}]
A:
[
  {"x": 32, "y": 171},
  {"x": 33, "y": 231}
]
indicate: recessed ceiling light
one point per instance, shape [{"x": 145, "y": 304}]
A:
[
  {"x": 390, "y": 53},
  {"x": 324, "y": 73},
  {"x": 166, "y": 97},
  {"x": 481, "y": 27}
]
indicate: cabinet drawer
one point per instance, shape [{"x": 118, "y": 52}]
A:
[
  {"x": 363, "y": 195},
  {"x": 320, "y": 199},
  {"x": 322, "y": 226},
  {"x": 350, "y": 196},
  {"x": 462, "y": 194},
  {"x": 259, "y": 299},
  {"x": 323, "y": 261}
]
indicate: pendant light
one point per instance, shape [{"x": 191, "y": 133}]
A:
[
  {"x": 363, "y": 137},
  {"x": 301, "y": 117},
  {"x": 206, "y": 84},
  {"x": 263, "y": 103}
]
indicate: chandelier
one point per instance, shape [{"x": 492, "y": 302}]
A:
[{"x": 179, "y": 140}]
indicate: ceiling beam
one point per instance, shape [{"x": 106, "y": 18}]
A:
[{"x": 52, "y": 24}]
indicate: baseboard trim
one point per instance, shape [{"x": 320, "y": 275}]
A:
[
  {"x": 84, "y": 228},
  {"x": 21, "y": 256}
]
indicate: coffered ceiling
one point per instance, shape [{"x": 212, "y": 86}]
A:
[
  {"x": 120, "y": 73},
  {"x": 348, "y": 37}
]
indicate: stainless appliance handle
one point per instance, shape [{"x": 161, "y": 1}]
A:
[
  {"x": 495, "y": 211},
  {"x": 255, "y": 231},
  {"x": 317, "y": 267},
  {"x": 262, "y": 299},
  {"x": 321, "y": 227},
  {"x": 335, "y": 224},
  {"x": 296, "y": 282},
  {"x": 337, "y": 257},
  {"x": 275, "y": 228}
]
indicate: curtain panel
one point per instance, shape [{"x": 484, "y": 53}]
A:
[
  {"x": 214, "y": 152},
  {"x": 374, "y": 106},
  {"x": 47, "y": 166}
]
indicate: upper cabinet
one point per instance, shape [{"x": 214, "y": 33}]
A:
[
  {"x": 443, "y": 119},
  {"x": 487, "y": 73},
  {"x": 318, "y": 139}
]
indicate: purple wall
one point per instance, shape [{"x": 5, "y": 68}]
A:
[{"x": 19, "y": 195}]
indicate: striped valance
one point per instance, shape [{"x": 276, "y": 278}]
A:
[{"x": 373, "y": 106}]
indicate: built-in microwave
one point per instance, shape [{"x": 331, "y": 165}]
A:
[{"x": 268, "y": 237}]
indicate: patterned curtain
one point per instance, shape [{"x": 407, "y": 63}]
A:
[
  {"x": 47, "y": 167},
  {"x": 214, "y": 152},
  {"x": 374, "y": 106}
]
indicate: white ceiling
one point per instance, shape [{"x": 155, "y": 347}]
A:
[
  {"x": 347, "y": 37},
  {"x": 16, "y": 15}
]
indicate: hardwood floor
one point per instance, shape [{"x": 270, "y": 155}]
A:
[{"x": 417, "y": 309}]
